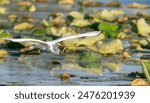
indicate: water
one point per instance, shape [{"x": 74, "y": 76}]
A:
[
  {"x": 126, "y": 2},
  {"x": 39, "y": 69}
]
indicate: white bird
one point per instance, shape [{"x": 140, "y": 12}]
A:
[{"x": 52, "y": 45}]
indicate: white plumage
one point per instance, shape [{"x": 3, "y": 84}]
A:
[{"x": 52, "y": 45}]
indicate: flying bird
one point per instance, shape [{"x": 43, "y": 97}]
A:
[{"x": 52, "y": 45}]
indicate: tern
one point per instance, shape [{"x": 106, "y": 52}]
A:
[{"x": 52, "y": 45}]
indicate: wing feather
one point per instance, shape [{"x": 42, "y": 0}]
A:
[{"x": 94, "y": 33}]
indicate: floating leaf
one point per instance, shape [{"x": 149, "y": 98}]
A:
[
  {"x": 138, "y": 5},
  {"x": 108, "y": 47},
  {"x": 143, "y": 27},
  {"x": 146, "y": 69},
  {"x": 62, "y": 31},
  {"x": 32, "y": 8},
  {"x": 5, "y": 34},
  {"x": 114, "y": 3},
  {"x": 106, "y": 15},
  {"x": 23, "y": 26},
  {"x": 76, "y": 15},
  {"x": 90, "y": 60},
  {"x": 2, "y": 10},
  {"x": 145, "y": 43},
  {"x": 66, "y": 2},
  {"x": 12, "y": 17},
  {"x": 40, "y": 33},
  {"x": 74, "y": 44},
  {"x": 139, "y": 82},
  {"x": 108, "y": 26},
  {"x": 65, "y": 76},
  {"x": 125, "y": 55},
  {"x": 57, "y": 19},
  {"x": 80, "y": 23},
  {"x": 110, "y": 29},
  {"x": 3, "y": 53},
  {"x": 4, "y": 2}
]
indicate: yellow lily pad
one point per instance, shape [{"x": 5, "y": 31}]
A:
[
  {"x": 62, "y": 31},
  {"x": 108, "y": 47},
  {"x": 68, "y": 2},
  {"x": 32, "y": 8},
  {"x": 73, "y": 44},
  {"x": 3, "y": 53},
  {"x": 57, "y": 19},
  {"x": 76, "y": 15},
  {"x": 143, "y": 27},
  {"x": 80, "y": 23},
  {"x": 106, "y": 15},
  {"x": 2, "y": 10},
  {"x": 4, "y": 2},
  {"x": 138, "y": 5},
  {"x": 23, "y": 26}
]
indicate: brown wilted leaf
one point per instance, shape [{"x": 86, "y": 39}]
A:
[
  {"x": 65, "y": 76},
  {"x": 125, "y": 55},
  {"x": 24, "y": 3},
  {"x": 139, "y": 82},
  {"x": 12, "y": 17}
]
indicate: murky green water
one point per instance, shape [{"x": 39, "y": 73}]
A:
[{"x": 39, "y": 69}]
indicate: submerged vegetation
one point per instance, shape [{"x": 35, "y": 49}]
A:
[{"x": 117, "y": 24}]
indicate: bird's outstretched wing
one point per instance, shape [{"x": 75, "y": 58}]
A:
[
  {"x": 43, "y": 45},
  {"x": 94, "y": 33},
  {"x": 52, "y": 45},
  {"x": 24, "y": 40}
]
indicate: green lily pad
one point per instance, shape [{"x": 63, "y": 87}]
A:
[
  {"x": 108, "y": 26},
  {"x": 40, "y": 33},
  {"x": 89, "y": 60},
  {"x": 5, "y": 35},
  {"x": 110, "y": 30}
]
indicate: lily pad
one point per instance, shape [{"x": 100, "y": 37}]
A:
[
  {"x": 5, "y": 34},
  {"x": 108, "y": 47},
  {"x": 139, "y": 82},
  {"x": 108, "y": 26},
  {"x": 90, "y": 60},
  {"x": 23, "y": 26},
  {"x": 4, "y": 2},
  {"x": 143, "y": 27},
  {"x": 146, "y": 69},
  {"x": 138, "y": 5},
  {"x": 110, "y": 29},
  {"x": 40, "y": 33},
  {"x": 2, "y": 10},
  {"x": 76, "y": 15},
  {"x": 80, "y": 23},
  {"x": 3, "y": 53},
  {"x": 74, "y": 44}
]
